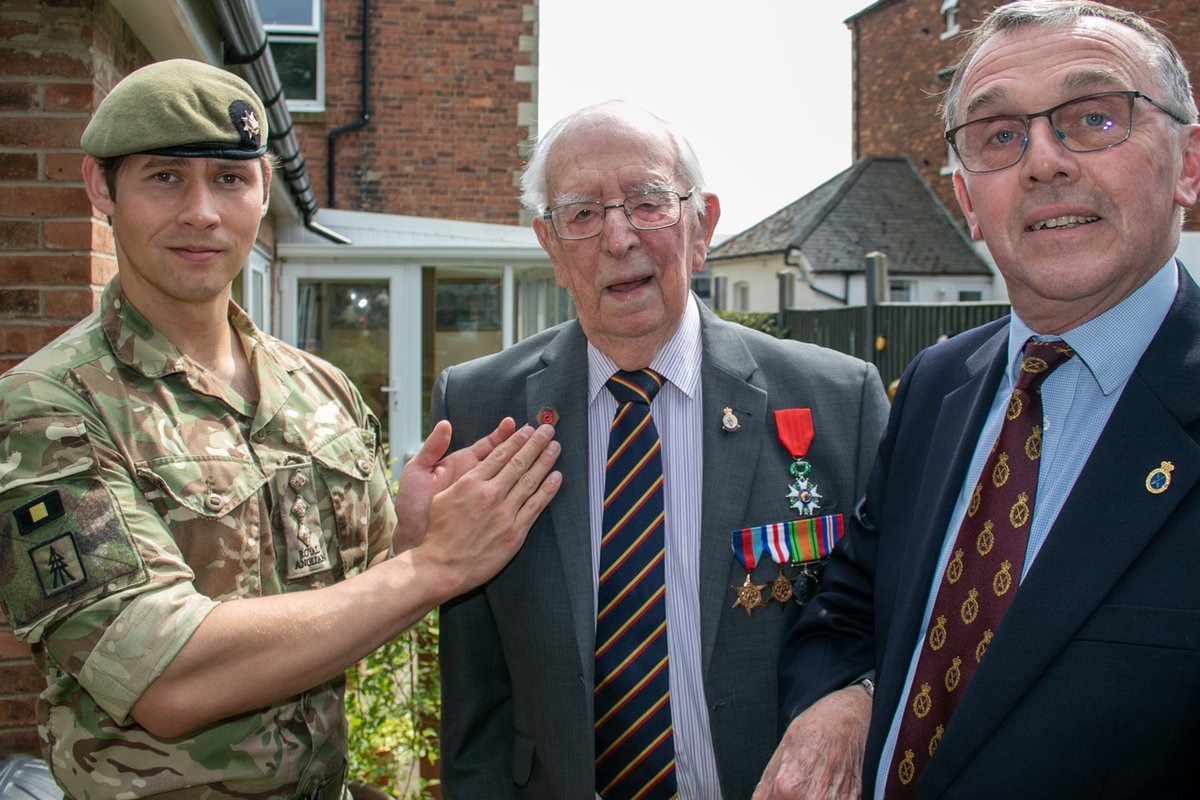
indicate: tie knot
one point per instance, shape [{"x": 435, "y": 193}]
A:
[
  {"x": 639, "y": 386},
  {"x": 1041, "y": 358}
]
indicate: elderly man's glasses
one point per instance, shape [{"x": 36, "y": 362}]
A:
[
  {"x": 646, "y": 212},
  {"x": 1093, "y": 122}
]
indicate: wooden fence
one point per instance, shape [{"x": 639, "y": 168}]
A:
[{"x": 903, "y": 329}]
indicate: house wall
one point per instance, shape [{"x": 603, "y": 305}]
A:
[
  {"x": 759, "y": 272},
  {"x": 452, "y": 97},
  {"x": 57, "y": 60},
  {"x": 898, "y": 51}
]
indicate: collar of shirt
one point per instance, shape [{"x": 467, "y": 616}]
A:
[
  {"x": 1111, "y": 344},
  {"x": 678, "y": 361}
]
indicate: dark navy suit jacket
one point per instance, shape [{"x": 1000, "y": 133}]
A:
[{"x": 1091, "y": 687}]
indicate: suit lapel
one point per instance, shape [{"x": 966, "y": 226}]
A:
[
  {"x": 729, "y": 462},
  {"x": 562, "y": 385},
  {"x": 1107, "y": 520}
]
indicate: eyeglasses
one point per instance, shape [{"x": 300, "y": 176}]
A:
[
  {"x": 646, "y": 212},
  {"x": 1093, "y": 122}
]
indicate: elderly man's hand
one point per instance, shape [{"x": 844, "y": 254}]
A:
[{"x": 821, "y": 755}]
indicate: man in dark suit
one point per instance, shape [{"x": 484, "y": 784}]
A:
[
  {"x": 622, "y": 210},
  {"x": 1070, "y": 668}
]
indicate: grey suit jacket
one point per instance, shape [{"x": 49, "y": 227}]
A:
[{"x": 517, "y": 654}]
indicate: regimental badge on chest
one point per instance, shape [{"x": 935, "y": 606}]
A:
[{"x": 295, "y": 492}]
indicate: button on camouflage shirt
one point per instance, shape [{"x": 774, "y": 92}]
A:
[{"x": 136, "y": 493}]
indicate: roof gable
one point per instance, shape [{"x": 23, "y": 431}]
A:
[{"x": 878, "y": 204}]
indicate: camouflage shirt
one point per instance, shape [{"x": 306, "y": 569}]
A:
[{"x": 136, "y": 493}]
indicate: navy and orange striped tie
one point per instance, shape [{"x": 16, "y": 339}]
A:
[{"x": 635, "y": 753}]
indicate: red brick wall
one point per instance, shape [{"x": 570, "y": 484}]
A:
[
  {"x": 56, "y": 61},
  {"x": 898, "y": 53},
  {"x": 443, "y": 140}
]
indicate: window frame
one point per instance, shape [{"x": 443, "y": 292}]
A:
[{"x": 313, "y": 34}]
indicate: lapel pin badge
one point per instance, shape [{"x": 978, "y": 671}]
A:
[
  {"x": 1159, "y": 480},
  {"x": 547, "y": 416},
  {"x": 729, "y": 420}
]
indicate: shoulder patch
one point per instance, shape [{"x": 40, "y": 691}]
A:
[{"x": 63, "y": 539}]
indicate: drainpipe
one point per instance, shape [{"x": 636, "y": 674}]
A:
[
  {"x": 794, "y": 257},
  {"x": 246, "y": 47},
  {"x": 364, "y": 104}
]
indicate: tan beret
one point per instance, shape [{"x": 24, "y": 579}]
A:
[{"x": 179, "y": 108}]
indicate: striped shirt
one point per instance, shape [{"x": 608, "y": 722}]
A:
[{"x": 677, "y": 415}]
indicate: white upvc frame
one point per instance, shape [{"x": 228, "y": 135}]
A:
[
  {"x": 404, "y": 351},
  {"x": 314, "y": 33}
]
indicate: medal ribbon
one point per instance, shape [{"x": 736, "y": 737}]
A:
[
  {"x": 748, "y": 546},
  {"x": 813, "y": 538},
  {"x": 795, "y": 429},
  {"x": 777, "y": 541},
  {"x": 800, "y": 540}
]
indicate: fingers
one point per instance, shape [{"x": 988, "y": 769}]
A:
[
  {"x": 488, "y": 443},
  {"x": 434, "y": 447}
]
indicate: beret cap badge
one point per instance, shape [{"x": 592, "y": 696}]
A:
[{"x": 245, "y": 122}]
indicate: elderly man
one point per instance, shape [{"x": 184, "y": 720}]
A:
[
  {"x": 624, "y": 651},
  {"x": 189, "y": 507},
  {"x": 1022, "y": 574}
]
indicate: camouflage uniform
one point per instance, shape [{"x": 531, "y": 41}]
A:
[{"x": 136, "y": 493}]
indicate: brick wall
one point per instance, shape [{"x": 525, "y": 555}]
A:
[
  {"x": 56, "y": 61},
  {"x": 898, "y": 53},
  {"x": 444, "y": 139}
]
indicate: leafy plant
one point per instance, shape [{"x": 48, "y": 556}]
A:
[
  {"x": 764, "y": 321},
  {"x": 393, "y": 701}
]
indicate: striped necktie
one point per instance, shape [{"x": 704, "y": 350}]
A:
[
  {"x": 635, "y": 754},
  {"x": 982, "y": 576}
]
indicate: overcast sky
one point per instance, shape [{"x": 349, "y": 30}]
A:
[{"x": 761, "y": 88}]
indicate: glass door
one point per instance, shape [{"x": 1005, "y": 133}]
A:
[{"x": 366, "y": 320}]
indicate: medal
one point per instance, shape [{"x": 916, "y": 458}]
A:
[
  {"x": 747, "y": 548},
  {"x": 782, "y": 588},
  {"x": 729, "y": 420},
  {"x": 749, "y": 595},
  {"x": 795, "y": 429}
]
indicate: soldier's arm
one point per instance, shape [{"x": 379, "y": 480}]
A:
[{"x": 252, "y": 652}]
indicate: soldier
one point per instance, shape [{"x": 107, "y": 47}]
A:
[{"x": 189, "y": 507}]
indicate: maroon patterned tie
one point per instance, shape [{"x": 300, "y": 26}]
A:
[{"x": 981, "y": 577}]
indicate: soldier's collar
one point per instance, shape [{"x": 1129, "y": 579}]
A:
[{"x": 134, "y": 341}]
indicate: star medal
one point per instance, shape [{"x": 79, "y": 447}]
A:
[
  {"x": 747, "y": 549},
  {"x": 795, "y": 429},
  {"x": 783, "y": 589},
  {"x": 749, "y": 595}
]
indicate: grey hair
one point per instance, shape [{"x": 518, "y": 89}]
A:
[
  {"x": 1164, "y": 58},
  {"x": 535, "y": 194}
]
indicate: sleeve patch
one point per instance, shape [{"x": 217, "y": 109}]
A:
[
  {"x": 67, "y": 546},
  {"x": 38, "y": 512}
]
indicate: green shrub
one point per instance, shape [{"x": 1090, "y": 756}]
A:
[
  {"x": 393, "y": 702},
  {"x": 764, "y": 321}
]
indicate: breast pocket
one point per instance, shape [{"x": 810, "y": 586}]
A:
[
  {"x": 344, "y": 464},
  {"x": 203, "y": 500},
  {"x": 1166, "y": 628}
]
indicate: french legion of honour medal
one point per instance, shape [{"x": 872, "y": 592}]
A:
[{"x": 795, "y": 428}]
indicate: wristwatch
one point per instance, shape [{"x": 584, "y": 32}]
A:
[{"x": 867, "y": 682}]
